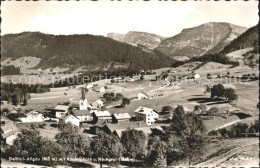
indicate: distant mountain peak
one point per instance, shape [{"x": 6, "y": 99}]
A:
[
  {"x": 148, "y": 40},
  {"x": 210, "y": 37}
]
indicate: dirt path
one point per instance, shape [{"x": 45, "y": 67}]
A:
[{"x": 228, "y": 124}]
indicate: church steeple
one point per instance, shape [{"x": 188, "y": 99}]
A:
[
  {"x": 83, "y": 102},
  {"x": 83, "y": 94}
]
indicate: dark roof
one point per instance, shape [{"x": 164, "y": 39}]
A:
[
  {"x": 74, "y": 105},
  {"x": 101, "y": 123},
  {"x": 125, "y": 125},
  {"x": 81, "y": 112}
]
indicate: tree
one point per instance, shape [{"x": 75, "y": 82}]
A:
[
  {"x": 142, "y": 77},
  {"x": 230, "y": 94},
  {"x": 133, "y": 142},
  {"x": 14, "y": 116},
  {"x": 25, "y": 102},
  {"x": 125, "y": 101},
  {"x": 74, "y": 143},
  {"x": 109, "y": 97},
  {"x": 106, "y": 146},
  {"x": 119, "y": 96},
  {"x": 5, "y": 111},
  {"x": 217, "y": 91},
  {"x": 157, "y": 152},
  {"x": 201, "y": 108},
  {"x": 190, "y": 132},
  {"x": 167, "y": 109},
  {"x": 29, "y": 143},
  {"x": 254, "y": 127},
  {"x": 15, "y": 99},
  {"x": 223, "y": 132},
  {"x": 213, "y": 111},
  {"x": 177, "y": 118},
  {"x": 237, "y": 129}
]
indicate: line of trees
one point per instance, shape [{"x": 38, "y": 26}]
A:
[
  {"x": 110, "y": 97},
  {"x": 10, "y": 70},
  {"x": 20, "y": 93},
  {"x": 238, "y": 130}
]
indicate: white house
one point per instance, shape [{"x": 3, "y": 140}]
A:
[
  {"x": 82, "y": 115},
  {"x": 148, "y": 115},
  {"x": 102, "y": 89},
  {"x": 60, "y": 110},
  {"x": 142, "y": 95},
  {"x": 196, "y": 76},
  {"x": 32, "y": 116},
  {"x": 98, "y": 104},
  {"x": 70, "y": 119},
  {"x": 90, "y": 86}
]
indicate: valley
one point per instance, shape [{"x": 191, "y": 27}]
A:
[{"x": 155, "y": 88}]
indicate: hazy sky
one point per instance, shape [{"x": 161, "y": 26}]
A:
[{"x": 99, "y": 18}]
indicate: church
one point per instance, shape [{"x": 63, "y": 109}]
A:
[
  {"x": 82, "y": 112},
  {"x": 83, "y": 102}
]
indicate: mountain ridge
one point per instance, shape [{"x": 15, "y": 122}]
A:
[
  {"x": 75, "y": 51},
  {"x": 208, "y": 38}
]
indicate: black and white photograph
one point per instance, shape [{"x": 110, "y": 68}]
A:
[{"x": 105, "y": 84}]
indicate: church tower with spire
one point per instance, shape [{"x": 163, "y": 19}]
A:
[{"x": 83, "y": 102}]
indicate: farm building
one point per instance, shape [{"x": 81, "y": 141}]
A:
[
  {"x": 70, "y": 119},
  {"x": 121, "y": 117},
  {"x": 90, "y": 86},
  {"x": 95, "y": 129},
  {"x": 58, "y": 111},
  {"x": 146, "y": 114},
  {"x": 193, "y": 76},
  {"x": 100, "y": 89},
  {"x": 142, "y": 95},
  {"x": 82, "y": 115},
  {"x": 110, "y": 128},
  {"x": 9, "y": 131},
  {"x": 196, "y": 76},
  {"x": 32, "y": 116},
  {"x": 100, "y": 115},
  {"x": 97, "y": 105}
]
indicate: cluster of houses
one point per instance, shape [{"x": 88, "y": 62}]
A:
[{"x": 83, "y": 112}]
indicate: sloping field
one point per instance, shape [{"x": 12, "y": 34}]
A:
[
  {"x": 238, "y": 54},
  {"x": 213, "y": 68},
  {"x": 232, "y": 152},
  {"x": 219, "y": 122}
]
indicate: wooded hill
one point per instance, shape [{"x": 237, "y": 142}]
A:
[
  {"x": 75, "y": 51},
  {"x": 250, "y": 38}
]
